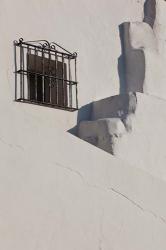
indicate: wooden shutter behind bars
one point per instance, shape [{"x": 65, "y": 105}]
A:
[{"x": 58, "y": 93}]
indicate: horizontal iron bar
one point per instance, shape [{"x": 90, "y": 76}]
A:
[
  {"x": 45, "y": 104},
  {"x": 48, "y": 52},
  {"x": 26, "y": 72},
  {"x": 21, "y": 40},
  {"x": 62, "y": 48},
  {"x": 71, "y": 56}
]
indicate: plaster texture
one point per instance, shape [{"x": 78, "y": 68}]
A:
[
  {"x": 119, "y": 106},
  {"x": 144, "y": 65},
  {"x": 96, "y": 39},
  {"x": 109, "y": 121},
  {"x": 143, "y": 37},
  {"x": 133, "y": 60},
  {"x": 145, "y": 145},
  {"x": 142, "y": 54},
  {"x": 58, "y": 192},
  {"x": 142, "y": 141},
  {"x": 87, "y": 27},
  {"x": 160, "y": 28},
  {"x": 102, "y": 133}
]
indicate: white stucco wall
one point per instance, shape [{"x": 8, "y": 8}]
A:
[
  {"x": 144, "y": 145},
  {"x": 160, "y": 27},
  {"x": 152, "y": 42},
  {"x": 89, "y": 27},
  {"x": 56, "y": 191}
]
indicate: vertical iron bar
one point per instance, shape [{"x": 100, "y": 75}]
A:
[
  {"x": 15, "y": 59},
  {"x": 76, "y": 82},
  {"x": 70, "y": 83},
  {"x": 28, "y": 75},
  {"x": 21, "y": 71},
  {"x": 43, "y": 78},
  {"x": 56, "y": 81},
  {"x": 63, "y": 94},
  {"x": 49, "y": 74},
  {"x": 76, "y": 96},
  {"x": 35, "y": 74},
  {"x": 23, "y": 87}
]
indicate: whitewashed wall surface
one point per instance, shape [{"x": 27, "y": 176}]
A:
[{"x": 58, "y": 192}]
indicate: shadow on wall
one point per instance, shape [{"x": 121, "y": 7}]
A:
[
  {"x": 84, "y": 114},
  {"x": 131, "y": 70},
  {"x": 150, "y": 12},
  {"x": 121, "y": 63},
  {"x": 131, "y": 63}
]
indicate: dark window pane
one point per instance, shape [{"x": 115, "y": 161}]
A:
[{"x": 53, "y": 73}]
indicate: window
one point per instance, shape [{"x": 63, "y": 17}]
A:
[{"x": 44, "y": 74}]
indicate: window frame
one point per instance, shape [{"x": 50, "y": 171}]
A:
[{"x": 39, "y": 64}]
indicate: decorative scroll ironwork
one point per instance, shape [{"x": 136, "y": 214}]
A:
[{"x": 45, "y": 74}]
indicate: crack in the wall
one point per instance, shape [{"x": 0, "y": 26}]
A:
[
  {"x": 137, "y": 205},
  {"x": 115, "y": 191},
  {"x": 124, "y": 196},
  {"x": 11, "y": 145},
  {"x": 72, "y": 170}
]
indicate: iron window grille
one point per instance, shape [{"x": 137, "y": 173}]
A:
[{"x": 45, "y": 74}]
